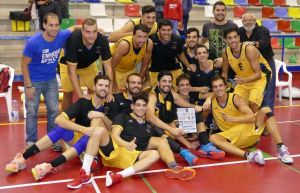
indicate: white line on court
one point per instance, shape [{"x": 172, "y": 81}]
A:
[
  {"x": 20, "y": 123},
  {"x": 294, "y": 121},
  {"x": 144, "y": 172},
  {"x": 95, "y": 186}
]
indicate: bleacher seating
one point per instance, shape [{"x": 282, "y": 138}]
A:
[
  {"x": 268, "y": 12},
  {"x": 238, "y": 11}
]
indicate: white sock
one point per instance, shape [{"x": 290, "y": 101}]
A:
[
  {"x": 127, "y": 172},
  {"x": 87, "y": 162}
]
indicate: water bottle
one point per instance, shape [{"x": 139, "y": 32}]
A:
[{"x": 15, "y": 111}]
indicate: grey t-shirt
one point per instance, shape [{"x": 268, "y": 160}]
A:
[{"x": 215, "y": 33}]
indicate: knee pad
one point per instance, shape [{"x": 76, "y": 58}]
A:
[
  {"x": 60, "y": 133},
  {"x": 81, "y": 144}
]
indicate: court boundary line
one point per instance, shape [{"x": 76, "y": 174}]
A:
[
  {"x": 20, "y": 123},
  {"x": 96, "y": 187},
  {"x": 139, "y": 173}
]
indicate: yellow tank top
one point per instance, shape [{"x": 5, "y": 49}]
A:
[
  {"x": 131, "y": 59},
  {"x": 241, "y": 65},
  {"x": 137, "y": 21},
  {"x": 229, "y": 109}
]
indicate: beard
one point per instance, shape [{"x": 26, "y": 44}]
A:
[
  {"x": 134, "y": 88},
  {"x": 249, "y": 28},
  {"x": 99, "y": 96}
]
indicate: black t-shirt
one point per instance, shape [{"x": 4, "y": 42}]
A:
[
  {"x": 80, "y": 109},
  {"x": 123, "y": 103},
  {"x": 77, "y": 52},
  {"x": 164, "y": 56},
  {"x": 262, "y": 35},
  {"x": 201, "y": 78},
  {"x": 131, "y": 128},
  {"x": 192, "y": 60},
  {"x": 215, "y": 35}
]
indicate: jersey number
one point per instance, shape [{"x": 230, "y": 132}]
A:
[{"x": 241, "y": 66}]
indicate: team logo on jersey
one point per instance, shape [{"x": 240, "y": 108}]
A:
[
  {"x": 98, "y": 49},
  {"x": 148, "y": 129},
  {"x": 174, "y": 45}
]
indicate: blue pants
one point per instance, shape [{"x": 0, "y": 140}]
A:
[
  {"x": 67, "y": 135},
  {"x": 49, "y": 89},
  {"x": 269, "y": 95}
]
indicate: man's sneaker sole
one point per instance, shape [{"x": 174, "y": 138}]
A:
[
  {"x": 183, "y": 174},
  {"x": 79, "y": 186},
  {"x": 212, "y": 155},
  {"x": 285, "y": 162},
  {"x": 34, "y": 174},
  {"x": 21, "y": 167}
]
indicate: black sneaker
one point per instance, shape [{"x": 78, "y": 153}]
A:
[{"x": 56, "y": 147}]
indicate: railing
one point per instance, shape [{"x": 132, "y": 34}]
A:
[{"x": 290, "y": 68}]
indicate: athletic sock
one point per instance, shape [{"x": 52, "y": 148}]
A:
[
  {"x": 87, "y": 162},
  {"x": 203, "y": 138},
  {"x": 58, "y": 161},
  {"x": 172, "y": 164},
  {"x": 246, "y": 154},
  {"x": 31, "y": 151},
  {"x": 279, "y": 145},
  {"x": 127, "y": 172}
]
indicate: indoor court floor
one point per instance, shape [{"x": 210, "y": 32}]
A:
[{"x": 229, "y": 175}]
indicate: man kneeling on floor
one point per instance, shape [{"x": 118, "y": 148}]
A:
[
  {"x": 240, "y": 128},
  {"x": 130, "y": 146}
]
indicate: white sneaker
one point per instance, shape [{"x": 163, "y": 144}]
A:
[
  {"x": 284, "y": 155},
  {"x": 256, "y": 157}
]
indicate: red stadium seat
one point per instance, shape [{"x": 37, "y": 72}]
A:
[
  {"x": 268, "y": 12},
  {"x": 132, "y": 10},
  {"x": 281, "y": 3},
  {"x": 284, "y": 26},
  {"x": 297, "y": 42},
  {"x": 238, "y": 11},
  {"x": 275, "y": 43},
  {"x": 79, "y": 21},
  {"x": 254, "y": 2}
]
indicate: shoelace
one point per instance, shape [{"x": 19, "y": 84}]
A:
[{"x": 44, "y": 172}]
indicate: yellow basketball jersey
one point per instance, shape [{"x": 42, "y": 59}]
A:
[
  {"x": 138, "y": 21},
  {"x": 131, "y": 59},
  {"x": 229, "y": 109},
  {"x": 241, "y": 65}
]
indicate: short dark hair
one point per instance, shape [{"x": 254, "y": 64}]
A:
[
  {"x": 133, "y": 74},
  {"x": 140, "y": 96},
  {"x": 45, "y": 18},
  {"x": 148, "y": 9},
  {"x": 182, "y": 77},
  {"x": 164, "y": 73},
  {"x": 200, "y": 46},
  {"x": 163, "y": 22},
  {"x": 218, "y": 3},
  {"x": 217, "y": 77},
  {"x": 229, "y": 30},
  {"x": 89, "y": 21},
  {"x": 99, "y": 77},
  {"x": 141, "y": 27},
  {"x": 193, "y": 29}
]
